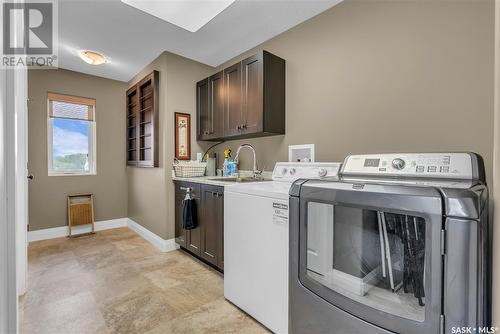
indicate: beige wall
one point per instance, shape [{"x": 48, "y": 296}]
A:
[
  {"x": 47, "y": 194},
  {"x": 151, "y": 190},
  {"x": 182, "y": 75},
  {"x": 364, "y": 76},
  {"x": 496, "y": 174},
  {"x": 386, "y": 76},
  {"x": 146, "y": 186}
]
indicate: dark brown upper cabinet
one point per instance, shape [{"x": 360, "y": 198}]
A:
[
  {"x": 253, "y": 95},
  {"x": 210, "y": 107},
  {"x": 142, "y": 122},
  {"x": 252, "y": 86},
  {"x": 204, "y": 124},
  {"x": 232, "y": 104}
]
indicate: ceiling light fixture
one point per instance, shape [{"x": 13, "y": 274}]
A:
[
  {"x": 187, "y": 14},
  {"x": 92, "y": 57}
]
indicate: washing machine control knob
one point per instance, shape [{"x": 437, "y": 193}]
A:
[
  {"x": 292, "y": 171},
  {"x": 322, "y": 172},
  {"x": 398, "y": 163},
  {"x": 284, "y": 171}
]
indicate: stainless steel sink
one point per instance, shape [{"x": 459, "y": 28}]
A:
[{"x": 238, "y": 179}]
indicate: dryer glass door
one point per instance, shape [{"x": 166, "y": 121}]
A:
[
  {"x": 373, "y": 257},
  {"x": 373, "y": 251}
]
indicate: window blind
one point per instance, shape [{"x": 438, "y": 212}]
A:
[{"x": 71, "y": 107}]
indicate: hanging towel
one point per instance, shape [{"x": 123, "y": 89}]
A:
[{"x": 189, "y": 219}]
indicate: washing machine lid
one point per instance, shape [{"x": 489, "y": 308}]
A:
[
  {"x": 271, "y": 189},
  {"x": 284, "y": 174}
]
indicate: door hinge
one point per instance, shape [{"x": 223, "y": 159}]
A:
[
  {"x": 443, "y": 242},
  {"x": 441, "y": 324}
]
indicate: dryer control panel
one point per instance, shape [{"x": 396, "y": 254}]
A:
[
  {"x": 426, "y": 165},
  {"x": 291, "y": 171}
]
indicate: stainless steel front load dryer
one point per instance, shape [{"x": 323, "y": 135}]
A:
[{"x": 400, "y": 244}]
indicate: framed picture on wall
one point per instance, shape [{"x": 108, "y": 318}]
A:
[{"x": 182, "y": 136}]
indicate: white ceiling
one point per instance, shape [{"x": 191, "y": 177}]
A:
[{"x": 132, "y": 38}]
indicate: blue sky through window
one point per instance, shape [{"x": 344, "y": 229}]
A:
[{"x": 70, "y": 144}]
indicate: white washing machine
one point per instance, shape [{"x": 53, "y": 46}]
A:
[{"x": 256, "y": 242}]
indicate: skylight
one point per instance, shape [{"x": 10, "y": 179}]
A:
[{"x": 187, "y": 14}]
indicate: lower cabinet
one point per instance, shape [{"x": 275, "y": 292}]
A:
[
  {"x": 206, "y": 241},
  {"x": 180, "y": 233},
  {"x": 188, "y": 239},
  {"x": 212, "y": 233}
]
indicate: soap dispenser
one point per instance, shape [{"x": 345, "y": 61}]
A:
[{"x": 227, "y": 165}]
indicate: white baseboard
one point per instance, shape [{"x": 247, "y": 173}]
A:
[
  {"x": 63, "y": 231},
  {"x": 160, "y": 243}
]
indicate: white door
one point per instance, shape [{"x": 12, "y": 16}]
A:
[
  {"x": 8, "y": 208},
  {"x": 21, "y": 94}
]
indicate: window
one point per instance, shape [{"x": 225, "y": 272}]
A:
[{"x": 71, "y": 135}]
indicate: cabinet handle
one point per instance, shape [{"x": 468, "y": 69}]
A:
[
  {"x": 238, "y": 127},
  {"x": 244, "y": 126},
  {"x": 186, "y": 188}
]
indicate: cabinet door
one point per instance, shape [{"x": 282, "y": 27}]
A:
[
  {"x": 132, "y": 111},
  {"x": 216, "y": 105},
  {"x": 210, "y": 239},
  {"x": 233, "y": 121},
  {"x": 180, "y": 233},
  {"x": 252, "y": 94},
  {"x": 148, "y": 89},
  {"x": 193, "y": 238},
  {"x": 220, "y": 251},
  {"x": 204, "y": 125}
]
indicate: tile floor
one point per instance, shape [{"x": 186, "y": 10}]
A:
[{"x": 116, "y": 282}]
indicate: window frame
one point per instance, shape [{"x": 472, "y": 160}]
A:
[{"x": 92, "y": 135}]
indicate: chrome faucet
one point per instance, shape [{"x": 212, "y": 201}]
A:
[{"x": 256, "y": 173}]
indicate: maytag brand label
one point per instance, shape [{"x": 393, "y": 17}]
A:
[{"x": 280, "y": 213}]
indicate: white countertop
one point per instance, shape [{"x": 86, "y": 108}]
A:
[
  {"x": 219, "y": 182},
  {"x": 203, "y": 180}
]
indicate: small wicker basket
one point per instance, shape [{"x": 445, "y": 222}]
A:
[{"x": 189, "y": 168}]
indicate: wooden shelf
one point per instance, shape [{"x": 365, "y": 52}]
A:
[
  {"x": 146, "y": 96},
  {"x": 147, "y": 108},
  {"x": 146, "y": 91}
]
